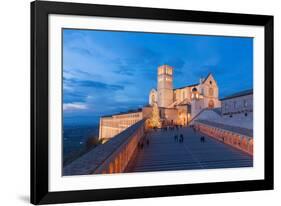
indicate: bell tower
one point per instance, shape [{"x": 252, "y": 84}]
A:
[{"x": 165, "y": 86}]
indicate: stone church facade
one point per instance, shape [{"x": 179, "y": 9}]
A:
[{"x": 181, "y": 105}]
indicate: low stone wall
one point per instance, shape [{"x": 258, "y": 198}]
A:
[
  {"x": 226, "y": 135},
  {"x": 111, "y": 157}
]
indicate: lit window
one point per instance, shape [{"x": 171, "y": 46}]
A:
[
  {"x": 160, "y": 71},
  {"x": 169, "y": 71},
  {"x": 168, "y": 79}
]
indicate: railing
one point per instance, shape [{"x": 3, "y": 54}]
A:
[
  {"x": 243, "y": 142},
  {"x": 194, "y": 118},
  {"x": 111, "y": 157}
]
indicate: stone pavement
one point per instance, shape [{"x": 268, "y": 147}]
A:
[{"x": 164, "y": 153}]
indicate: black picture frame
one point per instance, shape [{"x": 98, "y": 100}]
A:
[{"x": 40, "y": 113}]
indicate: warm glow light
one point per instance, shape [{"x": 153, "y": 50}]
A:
[
  {"x": 168, "y": 79},
  {"x": 169, "y": 71},
  {"x": 160, "y": 71}
]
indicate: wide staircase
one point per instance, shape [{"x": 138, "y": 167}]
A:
[{"x": 164, "y": 153}]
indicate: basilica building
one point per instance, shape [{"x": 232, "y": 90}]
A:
[
  {"x": 172, "y": 106},
  {"x": 181, "y": 105}
]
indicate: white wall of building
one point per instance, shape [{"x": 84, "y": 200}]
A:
[
  {"x": 238, "y": 120},
  {"x": 242, "y": 104}
]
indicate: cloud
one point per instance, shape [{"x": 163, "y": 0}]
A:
[
  {"x": 138, "y": 60},
  {"x": 74, "y": 106},
  {"x": 125, "y": 70},
  {"x": 74, "y": 96},
  {"x": 90, "y": 83}
]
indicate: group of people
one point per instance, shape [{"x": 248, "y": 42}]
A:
[
  {"x": 179, "y": 139},
  {"x": 172, "y": 128},
  {"x": 202, "y": 139}
]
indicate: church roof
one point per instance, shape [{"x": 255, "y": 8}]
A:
[
  {"x": 193, "y": 85},
  {"x": 207, "y": 77},
  {"x": 238, "y": 94}
]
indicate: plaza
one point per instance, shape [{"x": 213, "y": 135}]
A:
[{"x": 164, "y": 153}]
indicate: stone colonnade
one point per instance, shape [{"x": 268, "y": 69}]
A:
[
  {"x": 236, "y": 140},
  {"x": 119, "y": 159}
]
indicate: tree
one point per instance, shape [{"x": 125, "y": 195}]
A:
[{"x": 154, "y": 120}]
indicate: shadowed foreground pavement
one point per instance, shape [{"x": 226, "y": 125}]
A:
[{"x": 163, "y": 153}]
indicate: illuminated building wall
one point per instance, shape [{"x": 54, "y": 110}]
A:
[{"x": 113, "y": 125}]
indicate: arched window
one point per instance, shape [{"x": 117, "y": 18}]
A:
[
  {"x": 153, "y": 98},
  {"x": 211, "y": 104}
]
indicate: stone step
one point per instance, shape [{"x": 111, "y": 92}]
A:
[{"x": 164, "y": 154}]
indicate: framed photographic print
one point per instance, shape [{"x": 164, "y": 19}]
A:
[{"x": 131, "y": 102}]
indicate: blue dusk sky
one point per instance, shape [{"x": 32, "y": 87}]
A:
[{"x": 107, "y": 72}]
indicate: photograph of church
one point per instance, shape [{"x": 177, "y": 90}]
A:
[{"x": 141, "y": 115}]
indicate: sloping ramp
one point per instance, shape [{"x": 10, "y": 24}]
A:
[{"x": 165, "y": 154}]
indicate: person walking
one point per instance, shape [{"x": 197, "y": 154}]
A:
[
  {"x": 176, "y": 137},
  {"x": 202, "y": 139},
  {"x": 181, "y": 138}
]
